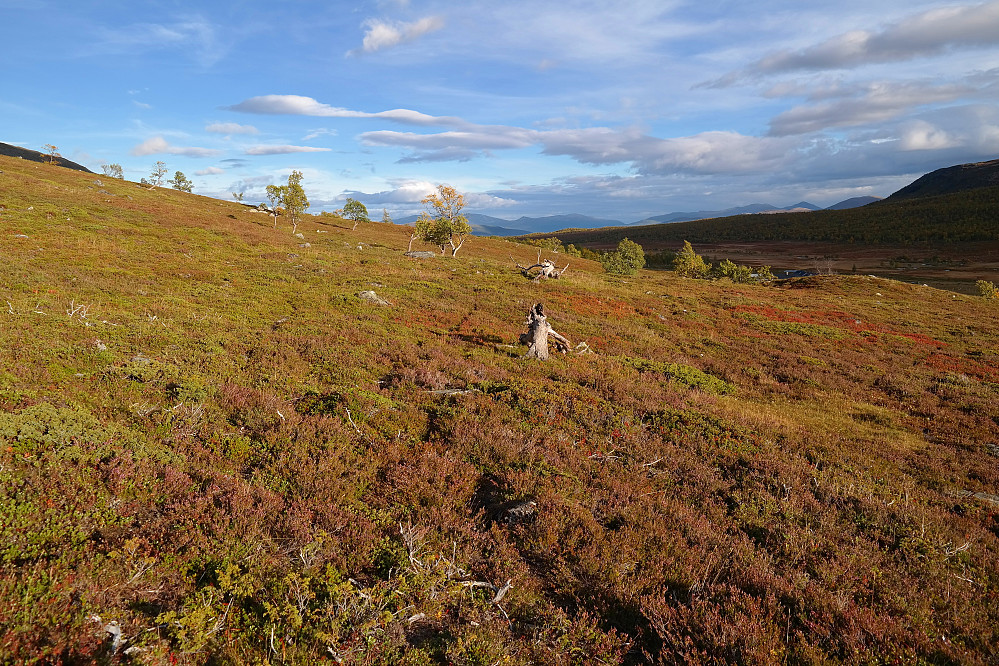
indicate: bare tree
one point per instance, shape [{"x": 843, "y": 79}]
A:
[
  {"x": 52, "y": 152},
  {"x": 156, "y": 177},
  {"x": 113, "y": 170}
]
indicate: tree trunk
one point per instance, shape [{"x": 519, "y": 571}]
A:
[{"x": 538, "y": 332}]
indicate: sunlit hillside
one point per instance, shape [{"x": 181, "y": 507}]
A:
[{"x": 217, "y": 448}]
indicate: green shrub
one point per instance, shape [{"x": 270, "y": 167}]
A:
[
  {"x": 987, "y": 289},
  {"x": 626, "y": 260},
  {"x": 688, "y": 263},
  {"x": 46, "y": 427},
  {"x": 683, "y": 374}
]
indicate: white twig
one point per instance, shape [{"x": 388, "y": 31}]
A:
[
  {"x": 951, "y": 552},
  {"x": 351, "y": 419}
]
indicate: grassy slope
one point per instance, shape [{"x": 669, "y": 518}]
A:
[{"x": 237, "y": 459}]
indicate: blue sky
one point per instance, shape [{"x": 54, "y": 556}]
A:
[{"x": 617, "y": 110}]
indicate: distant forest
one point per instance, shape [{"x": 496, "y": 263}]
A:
[{"x": 971, "y": 215}]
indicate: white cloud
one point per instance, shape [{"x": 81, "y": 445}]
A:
[
  {"x": 210, "y": 171},
  {"x": 540, "y": 34},
  {"x": 382, "y": 34},
  {"x": 282, "y": 150},
  {"x": 921, "y": 135},
  {"x": 298, "y": 105},
  {"x": 405, "y": 191},
  {"x": 191, "y": 35},
  {"x": 407, "y": 195},
  {"x": 707, "y": 152},
  {"x": 322, "y": 131},
  {"x": 872, "y": 103},
  {"x": 923, "y": 34},
  {"x": 159, "y": 145},
  {"x": 231, "y": 128},
  {"x": 484, "y": 138}
]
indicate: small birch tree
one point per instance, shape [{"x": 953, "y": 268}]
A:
[
  {"x": 293, "y": 199},
  {"x": 443, "y": 224},
  {"x": 355, "y": 211}
]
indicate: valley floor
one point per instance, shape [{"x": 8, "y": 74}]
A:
[{"x": 953, "y": 266}]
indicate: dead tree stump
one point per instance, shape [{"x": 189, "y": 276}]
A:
[{"x": 538, "y": 334}]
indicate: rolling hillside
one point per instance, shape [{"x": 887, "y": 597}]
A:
[{"x": 217, "y": 447}]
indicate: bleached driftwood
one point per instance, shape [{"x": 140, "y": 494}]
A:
[
  {"x": 546, "y": 269},
  {"x": 538, "y": 334}
]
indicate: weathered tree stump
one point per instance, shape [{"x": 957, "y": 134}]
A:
[{"x": 538, "y": 334}]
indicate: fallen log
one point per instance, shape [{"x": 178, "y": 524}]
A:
[{"x": 547, "y": 270}]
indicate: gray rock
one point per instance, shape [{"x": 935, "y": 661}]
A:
[
  {"x": 421, "y": 254},
  {"x": 520, "y": 512},
  {"x": 372, "y": 297}
]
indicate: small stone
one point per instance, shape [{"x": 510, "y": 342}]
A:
[{"x": 373, "y": 298}]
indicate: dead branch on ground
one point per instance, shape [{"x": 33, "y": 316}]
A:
[{"x": 546, "y": 269}]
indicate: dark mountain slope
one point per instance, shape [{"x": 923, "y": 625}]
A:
[
  {"x": 953, "y": 179},
  {"x": 35, "y": 156}
]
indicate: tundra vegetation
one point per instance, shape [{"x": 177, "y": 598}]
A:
[{"x": 214, "y": 451}]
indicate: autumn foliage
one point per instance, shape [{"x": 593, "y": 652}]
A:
[{"x": 211, "y": 443}]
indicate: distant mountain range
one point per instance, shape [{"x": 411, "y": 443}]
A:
[
  {"x": 486, "y": 225},
  {"x": 751, "y": 209}
]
